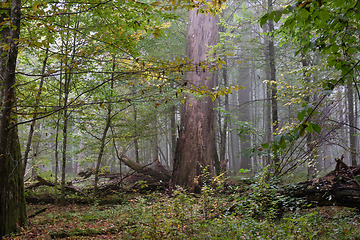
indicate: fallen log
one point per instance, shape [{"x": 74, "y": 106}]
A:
[
  {"x": 43, "y": 182},
  {"x": 155, "y": 170},
  {"x": 340, "y": 187}
]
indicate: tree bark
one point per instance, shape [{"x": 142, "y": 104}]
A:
[
  {"x": 37, "y": 101},
  {"x": 154, "y": 170},
  {"x": 12, "y": 200},
  {"x": 352, "y": 124},
  {"x": 311, "y": 168},
  {"x": 224, "y": 129},
  {"x": 272, "y": 86},
  {"x": 244, "y": 116},
  {"x": 103, "y": 137},
  {"x": 196, "y": 146}
]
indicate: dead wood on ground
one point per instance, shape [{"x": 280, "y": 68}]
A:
[{"x": 340, "y": 187}]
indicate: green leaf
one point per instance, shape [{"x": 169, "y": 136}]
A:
[
  {"x": 263, "y": 19},
  {"x": 304, "y": 13},
  {"x": 282, "y": 144},
  {"x": 339, "y": 3},
  {"x": 278, "y": 15},
  {"x": 288, "y": 137},
  {"x": 316, "y": 127},
  {"x": 301, "y": 115},
  {"x": 265, "y": 145},
  {"x": 309, "y": 129},
  {"x": 277, "y": 138}
]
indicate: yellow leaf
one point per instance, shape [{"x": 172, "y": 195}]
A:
[
  {"x": 36, "y": 5},
  {"x": 50, "y": 28},
  {"x": 6, "y": 47},
  {"x": 154, "y": 4}
]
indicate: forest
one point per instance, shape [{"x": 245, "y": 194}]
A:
[{"x": 179, "y": 119}]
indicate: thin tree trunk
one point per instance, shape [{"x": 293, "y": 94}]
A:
[
  {"x": 173, "y": 133},
  {"x": 311, "y": 168},
  {"x": 273, "y": 86},
  {"x": 136, "y": 141},
  {"x": 224, "y": 129},
  {"x": 66, "y": 115},
  {"x": 64, "y": 143},
  {"x": 57, "y": 135},
  {"x": 37, "y": 101},
  {"x": 36, "y": 152},
  {"x": 244, "y": 116},
  {"x": 350, "y": 96},
  {"x": 267, "y": 117},
  {"x": 103, "y": 137},
  {"x": 154, "y": 140},
  {"x": 235, "y": 151}
]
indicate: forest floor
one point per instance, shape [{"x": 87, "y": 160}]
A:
[{"x": 184, "y": 216}]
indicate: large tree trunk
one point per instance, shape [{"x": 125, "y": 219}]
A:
[
  {"x": 12, "y": 201},
  {"x": 196, "y": 147}
]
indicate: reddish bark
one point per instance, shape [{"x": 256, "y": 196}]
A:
[{"x": 196, "y": 147}]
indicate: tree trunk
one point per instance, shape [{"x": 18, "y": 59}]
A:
[
  {"x": 224, "y": 129},
  {"x": 311, "y": 168},
  {"x": 36, "y": 145},
  {"x": 196, "y": 146},
  {"x": 173, "y": 133},
  {"x": 103, "y": 137},
  {"x": 37, "y": 101},
  {"x": 64, "y": 146},
  {"x": 12, "y": 200},
  {"x": 244, "y": 116},
  {"x": 352, "y": 124},
  {"x": 267, "y": 108},
  {"x": 66, "y": 113},
  {"x": 136, "y": 134},
  {"x": 271, "y": 76}
]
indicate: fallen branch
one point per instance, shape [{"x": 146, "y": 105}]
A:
[
  {"x": 37, "y": 212},
  {"x": 42, "y": 182},
  {"x": 340, "y": 187}
]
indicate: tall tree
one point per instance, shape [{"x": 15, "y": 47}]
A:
[
  {"x": 352, "y": 125},
  {"x": 244, "y": 116},
  {"x": 12, "y": 200},
  {"x": 272, "y": 86},
  {"x": 196, "y": 146},
  {"x": 106, "y": 129}
]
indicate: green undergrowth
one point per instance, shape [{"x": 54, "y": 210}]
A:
[
  {"x": 188, "y": 216},
  {"x": 250, "y": 209}
]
